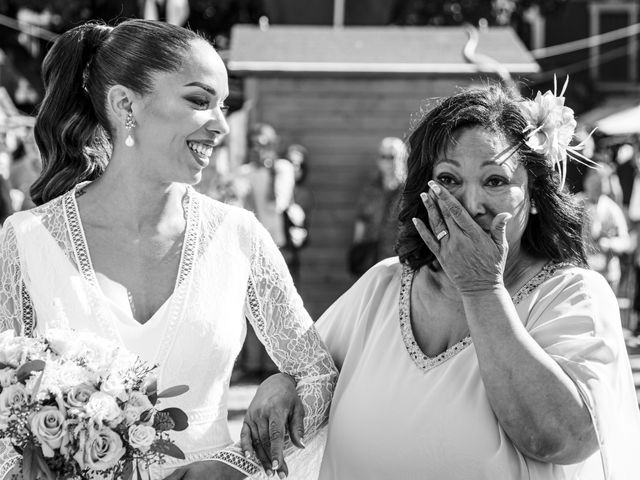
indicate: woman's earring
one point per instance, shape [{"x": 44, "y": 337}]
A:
[
  {"x": 129, "y": 123},
  {"x": 534, "y": 208}
]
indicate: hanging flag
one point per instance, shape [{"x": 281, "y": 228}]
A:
[
  {"x": 177, "y": 11},
  {"x": 151, "y": 10}
]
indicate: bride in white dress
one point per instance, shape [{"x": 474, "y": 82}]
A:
[{"x": 121, "y": 244}]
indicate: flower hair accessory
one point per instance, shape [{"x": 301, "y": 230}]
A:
[{"x": 551, "y": 126}]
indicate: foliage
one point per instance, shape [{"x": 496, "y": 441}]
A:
[{"x": 452, "y": 12}]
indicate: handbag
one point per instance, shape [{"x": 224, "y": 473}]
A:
[{"x": 362, "y": 256}]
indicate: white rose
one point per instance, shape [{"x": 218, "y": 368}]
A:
[
  {"x": 7, "y": 377},
  {"x": 78, "y": 396},
  {"x": 141, "y": 437},
  {"x": 102, "y": 407},
  {"x": 114, "y": 386},
  {"x": 99, "y": 449},
  {"x": 12, "y": 396},
  {"x": 49, "y": 428},
  {"x": 135, "y": 406},
  {"x": 11, "y": 354}
]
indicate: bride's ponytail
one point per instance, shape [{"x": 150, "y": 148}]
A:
[{"x": 73, "y": 144}]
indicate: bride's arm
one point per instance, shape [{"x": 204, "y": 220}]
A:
[
  {"x": 12, "y": 297},
  {"x": 277, "y": 314}
]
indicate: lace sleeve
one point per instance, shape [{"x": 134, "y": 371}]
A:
[
  {"x": 280, "y": 321},
  {"x": 11, "y": 313},
  {"x": 277, "y": 314}
]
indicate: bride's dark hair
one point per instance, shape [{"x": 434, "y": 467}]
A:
[{"x": 72, "y": 128}]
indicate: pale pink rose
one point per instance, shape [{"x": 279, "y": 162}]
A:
[
  {"x": 102, "y": 407},
  {"x": 135, "y": 406},
  {"x": 141, "y": 437},
  {"x": 49, "y": 428},
  {"x": 114, "y": 386},
  {"x": 7, "y": 377},
  {"x": 99, "y": 449},
  {"x": 79, "y": 395},
  {"x": 14, "y": 395}
]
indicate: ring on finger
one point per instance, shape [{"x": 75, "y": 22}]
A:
[{"x": 442, "y": 234}]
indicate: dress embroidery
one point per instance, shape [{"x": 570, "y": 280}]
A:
[{"x": 426, "y": 363}]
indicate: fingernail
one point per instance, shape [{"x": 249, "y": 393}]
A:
[
  {"x": 282, "y": 475},
  {"x": 269, "y": 473},
  {"x": 275, "y": 464},
  {"x": 434, "y": 186},
  {"x": 247, "y": 454},
  {"x": 304, "y": 445},
  {"x": 424, "y": 196},
  {"x": 415, "y": 221}
]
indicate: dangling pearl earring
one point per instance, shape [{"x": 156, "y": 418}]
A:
[
  {"x": 534, "y": 209},
  {"x": 129, "y": 123}
]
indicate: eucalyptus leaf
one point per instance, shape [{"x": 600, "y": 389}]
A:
[
  {"x": 25, "y": 371},
  {"x": 169, "y": 449},
  {"x": 173, "y": 391}
]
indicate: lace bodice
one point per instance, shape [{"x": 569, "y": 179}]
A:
[{"x": 230, "y": 270}]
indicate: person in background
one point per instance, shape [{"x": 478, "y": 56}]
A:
[
  {"x": 267, "y": 182},
  {"x": 376, "y": 224},
  {"x": 605, "y": 229},
  {"x": 297, "y": 215}
]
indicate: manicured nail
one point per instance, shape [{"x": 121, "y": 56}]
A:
[
  {"x": 424, "y": 196},
  {"x": 269, "y": 473},
  {"x": 282, "y": 475},
  {"x": 304, "y": 445},
  {"x": 275, "y": 465},
  {"x": 247, "y": 454},
  {"x": 434, "y": 186},
  {"x": 415, "y": 221}
]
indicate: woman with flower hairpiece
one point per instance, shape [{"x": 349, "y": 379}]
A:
[
  {"x": 487, "y": 349},
  {"x": 121, "y": 244}
]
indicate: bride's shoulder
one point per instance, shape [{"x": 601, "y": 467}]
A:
[
  {"x": 215, "y": 211},
  {"x": 25, "y": 220}
]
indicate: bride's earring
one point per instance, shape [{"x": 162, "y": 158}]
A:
[
  {"x": 534, "y": 208},
  {"x": 129, "y": 124}
]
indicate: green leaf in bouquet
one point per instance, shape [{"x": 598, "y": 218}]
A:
[
  {"x": 25, "y": 371},
  {"x": 180, "y": 419},
  {"x": 34, "y": 465},
  {"x": 173, "y": 391},
  {"x": 127, "y": 470},
  {"x": 146, "y": 415},
  {"x": 150, "y": 386},
  {"x": 168, "y": 448}
]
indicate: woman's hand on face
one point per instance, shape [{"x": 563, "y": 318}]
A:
[
  {"x": 207, "y": 470},
  {"x": 275, "y": 410},
  {"x": 472, "y": 259}
]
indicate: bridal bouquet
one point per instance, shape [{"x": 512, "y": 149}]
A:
[{"x": 76, "y": 406}]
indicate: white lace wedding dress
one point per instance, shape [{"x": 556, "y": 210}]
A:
[{"x": 230, "y": 269}]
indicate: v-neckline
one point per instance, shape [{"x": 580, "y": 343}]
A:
[
  {"x": 83, "y": 255},
  {"x": 425, "y": 362}
]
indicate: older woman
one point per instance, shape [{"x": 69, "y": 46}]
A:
[{"x": 487, "y": 349}]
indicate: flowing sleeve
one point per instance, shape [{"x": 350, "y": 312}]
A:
[
  {"x": 11, "y": 314},
  {"x": 276, "y": 312},
  {"x": 576, "y": 320}
]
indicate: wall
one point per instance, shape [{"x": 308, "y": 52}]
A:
[{"x": 340, "y": 121}]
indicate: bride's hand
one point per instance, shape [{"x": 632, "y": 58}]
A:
[
  {"x": 207, "y": 470},
  {"x": 275, "y": 410}
]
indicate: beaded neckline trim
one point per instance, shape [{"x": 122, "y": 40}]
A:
[{"x": 425, "y": 362}]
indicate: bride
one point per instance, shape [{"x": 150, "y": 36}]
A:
[{"x": 121, "y": 244}]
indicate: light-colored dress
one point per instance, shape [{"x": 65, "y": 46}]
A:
[
  {"x": 399, "y": 414},
  {"x": 230, "y": 269}
]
